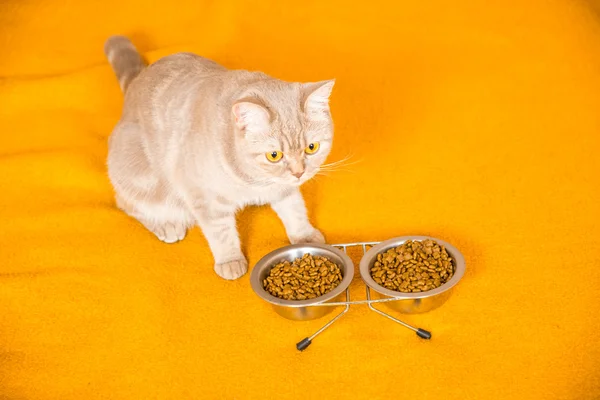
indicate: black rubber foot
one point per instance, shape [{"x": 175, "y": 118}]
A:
[
  {"x": 303, "y": 344},
  {"x": 422, "y": 333}
]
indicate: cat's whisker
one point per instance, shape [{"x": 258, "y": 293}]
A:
[
  {"x": 328, "y": 172},
  {"x": 339, "y": 165},
  {"x": 340, "y": 162},
  {"x": 343, "y": 162},
  {"x": 336, "y": 168}
]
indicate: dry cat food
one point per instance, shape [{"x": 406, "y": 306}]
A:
[
  {"x": 305, "y": 278},
  {"x": 413, "y": 267}
]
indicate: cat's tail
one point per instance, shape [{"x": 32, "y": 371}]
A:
[{"x": 124, "y": 59}]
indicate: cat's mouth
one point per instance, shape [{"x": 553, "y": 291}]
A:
[
  {"x": 302, "y": 179},
  {"x": 293, "y": 181}
]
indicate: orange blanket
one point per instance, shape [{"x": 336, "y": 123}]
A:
[{"x": 476, "y": 122}]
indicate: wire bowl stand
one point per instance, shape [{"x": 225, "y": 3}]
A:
[{"x": 304, "y": 343}]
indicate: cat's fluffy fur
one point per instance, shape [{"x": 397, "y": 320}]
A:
[{"x": 191, "y": 144}]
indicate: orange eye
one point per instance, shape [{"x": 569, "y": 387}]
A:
[
  {"x": 312, "y": 148},
  {"x": 274, "y": 156}
]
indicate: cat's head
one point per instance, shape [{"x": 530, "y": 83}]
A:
[{"x": 285, "y": 131}]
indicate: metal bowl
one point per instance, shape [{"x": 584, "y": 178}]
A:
[
  {"x": 298, "y": 309},
  {"x": 412, "y": 303}
]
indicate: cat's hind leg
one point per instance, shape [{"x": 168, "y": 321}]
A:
[
  {"x": 168, "y": 223},
  {"x": 139, "y": 190}
]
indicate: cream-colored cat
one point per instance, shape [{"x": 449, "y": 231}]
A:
[{"x": 196, "y": 142}]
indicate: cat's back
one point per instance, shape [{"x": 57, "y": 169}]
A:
[
  {"x": 185, "y": 62},
  {"x": 185, "y": 68},
  {"x": 174, "y": 67},
  {"x": 164, "y": 79}
]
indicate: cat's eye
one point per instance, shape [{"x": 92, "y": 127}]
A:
[
  {"x": 312, "y": 148},
  {"x": 274, "y": 156}
]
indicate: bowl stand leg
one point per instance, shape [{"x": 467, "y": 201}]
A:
[
  {"x": 304, "y": 343},
  {"x": 422, "y": 333}
]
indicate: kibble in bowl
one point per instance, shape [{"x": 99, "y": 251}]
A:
[
  {"x": 414, "y": 266},
  {"x": 294, "y": 277},
  {"x": 304, "y": 278},
  {"x": 419, "y": 271}
]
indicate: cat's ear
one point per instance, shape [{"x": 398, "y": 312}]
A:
[
  {"x": 250, "y": 117},
  {"x": 316, "y": 95}
]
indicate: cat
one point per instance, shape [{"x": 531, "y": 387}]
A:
[{"x": 196, "y": 142}]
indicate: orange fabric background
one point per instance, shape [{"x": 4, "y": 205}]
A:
[{"x": 477, "y": 122}]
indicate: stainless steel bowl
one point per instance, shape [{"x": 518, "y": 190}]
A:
[
  {"x": 298, "y": 309},
  {"x": 412, "y": 303}
]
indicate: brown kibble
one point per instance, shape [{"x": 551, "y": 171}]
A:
[
  {"x": 413, "y": 267},
  {"x": 305, "y": 278}
]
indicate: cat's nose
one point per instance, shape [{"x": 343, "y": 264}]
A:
[{"x": 298, "y": 174}]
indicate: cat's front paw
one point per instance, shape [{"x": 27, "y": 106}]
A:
[
  {"x": 233, "y": 269},
  {"x": 314, "y": 237}
]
